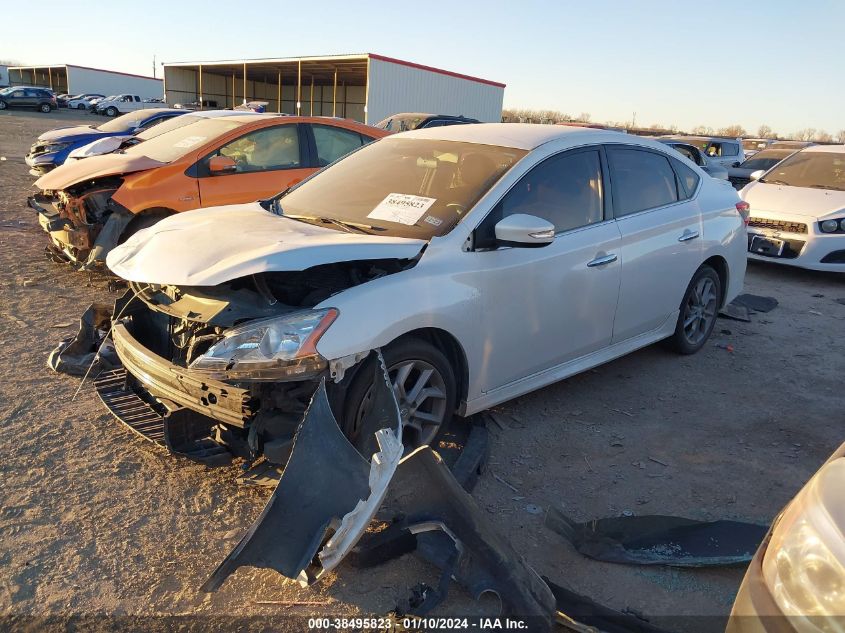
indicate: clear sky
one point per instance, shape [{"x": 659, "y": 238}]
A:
[{"x": 710, "y": 62}]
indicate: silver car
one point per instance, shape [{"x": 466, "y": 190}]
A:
[
  {"x": 763, "y": 160},
  {"x": 701, "y": 159}
]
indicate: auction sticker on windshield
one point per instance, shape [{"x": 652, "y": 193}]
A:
[{"x": 402, "y": 208}]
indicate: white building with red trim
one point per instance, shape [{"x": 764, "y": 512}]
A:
[
  {"x": 72, "y": 79},
  {"x": 366, "y": 87}
]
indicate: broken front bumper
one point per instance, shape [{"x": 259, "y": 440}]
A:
[
  {"x": 178, "y": 387},
  {"x": 73, "y": 242}
]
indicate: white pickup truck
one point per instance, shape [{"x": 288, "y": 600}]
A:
[{"x": 121, "y": 104}]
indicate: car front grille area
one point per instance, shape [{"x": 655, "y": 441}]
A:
[{"x": 777, "y": 225}]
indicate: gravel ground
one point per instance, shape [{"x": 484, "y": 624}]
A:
[{"x": 94, "y": 521}]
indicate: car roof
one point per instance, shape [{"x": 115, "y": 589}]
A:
[
  {"x": 525, "y": 136},
  {"x": 831, "y": 149}
]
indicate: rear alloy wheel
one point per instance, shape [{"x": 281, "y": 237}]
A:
[
  {"x": 45, "y": 108},
  {"x": 80, "y": 106},
  {"x": 424, "y": 384},
  {"x": 699, "y": 311},
  {"x": 2, "y": 105},
  {"x": 112, "y": 111}
]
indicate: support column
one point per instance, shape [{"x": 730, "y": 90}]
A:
[
  {"x": 279, "y": 100},
  {"x": 200, "y": 86},
  {"x": 311, "y": 111},
  {"x": 244, "y": 82},
  {"x": 299, "y": 88},
  {"x": 334, "y": 94}
]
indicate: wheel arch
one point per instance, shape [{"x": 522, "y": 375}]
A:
[
  {"x": 720, "y": 265},
  {"x": 447, "y": 343}
]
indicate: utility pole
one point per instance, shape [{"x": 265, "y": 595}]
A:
[
  {"x": 634, "y": 121},
  {"x": 154, "y": 66}
]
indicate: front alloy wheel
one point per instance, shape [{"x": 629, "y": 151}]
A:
[{"x": 424, "y": 385}]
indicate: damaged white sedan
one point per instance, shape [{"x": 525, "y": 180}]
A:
[{"x": 483, "y": 261}]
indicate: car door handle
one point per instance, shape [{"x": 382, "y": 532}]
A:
[
  {"x": 688, "y": 235},
  {"x": 601, "y": 261}
]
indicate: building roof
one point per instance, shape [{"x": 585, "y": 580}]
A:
[{"x": 322, "y": 65}]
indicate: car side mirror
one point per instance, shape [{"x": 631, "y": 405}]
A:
[
  {"x": 522, "y": 230},
  {"x": 755, "y": 175},
  {"x": 218, "y": 165}
]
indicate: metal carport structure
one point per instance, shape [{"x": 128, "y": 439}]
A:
[{"x": 365, "y": 87}]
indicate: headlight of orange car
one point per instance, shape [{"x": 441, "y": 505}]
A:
[
  {"x": 279, "y": 348},
  {"x": 804, "y": 564}
]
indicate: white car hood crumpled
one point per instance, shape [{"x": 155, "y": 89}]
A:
[
  {"x": 211, "y": 246},
  {"x": 812, "y": 203}
]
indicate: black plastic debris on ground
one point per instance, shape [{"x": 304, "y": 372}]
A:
[
  {"x": 660, "y": 540},
  {"x": 585, "y": 611},
  {"x": 78, "y": 355},
  {"x": 741, "y": 308}
]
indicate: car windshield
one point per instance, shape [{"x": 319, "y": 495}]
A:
[
  {"x": 818, "y": 170},
  {"x": 764, "y": 160},
  {"x": 125, "y": 123},
  {"x": 417, "y": 188},
  {"x": 176, "y": 143},
  {"x": 401, "y": 124},
  {"x": 173, "y": 123}
]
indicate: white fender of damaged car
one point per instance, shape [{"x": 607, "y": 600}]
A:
[
  {"x": 211, "y": 246},
  {"x": 98, "y": 147}
]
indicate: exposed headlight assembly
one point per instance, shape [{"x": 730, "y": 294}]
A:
[
  {"x": 279, "y": 348},
  {"x": 804, "y": 564},
  {"x": 832, "y": 226}
]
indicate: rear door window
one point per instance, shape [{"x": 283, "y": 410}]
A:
[
  {"x": 641, "y": 180},
  {"x": 334, "y": 142},
  {"x": 687, "y": 179}
]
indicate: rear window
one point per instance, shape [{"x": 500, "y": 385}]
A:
[
  {"x": 687, "y": 178},
  {"x": 641, "y": 180}
]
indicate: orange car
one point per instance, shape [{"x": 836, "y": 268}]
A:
[{"x": 88, "y": 207}]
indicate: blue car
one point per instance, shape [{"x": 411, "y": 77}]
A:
[{"x": 52, "y": 148}]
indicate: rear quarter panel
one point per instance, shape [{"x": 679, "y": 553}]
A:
[{"x": 723, "y": 231}]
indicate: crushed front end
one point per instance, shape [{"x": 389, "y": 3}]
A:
[
  {"x": 211, "y": 372},
  {"x": 76, "y": 219}
]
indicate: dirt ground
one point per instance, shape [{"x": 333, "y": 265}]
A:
[{"x": 94, "y": 521}]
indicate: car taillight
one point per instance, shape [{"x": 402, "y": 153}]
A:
[{"x": 744, "y": 209}]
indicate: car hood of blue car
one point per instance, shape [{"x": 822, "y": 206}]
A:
[{"x": 76, "y": 134}]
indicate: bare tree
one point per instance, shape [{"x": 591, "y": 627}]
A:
[
  {"x": 764, "y": 131},
  {"x": 732, "y": 131},
  {"x": 584, "y": 117},
  {"x": 702, "y": 130},
  {"x": 806, "y": 134},
  {"x": 840, "y": 136},
  {"x": 823, "y": 137}
]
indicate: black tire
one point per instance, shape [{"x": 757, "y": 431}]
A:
[
  {"x": 143, "y": 220},
  {"x": 111, "y": 111},
  {"x": 395, "y": 355},
  {"x": 689, "y": 337},
  {"x": 45, "y": 108},
  {"x": 80, "y": 106},
  {"x": 3, "y": 105}
]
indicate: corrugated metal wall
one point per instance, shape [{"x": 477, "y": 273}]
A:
[
  {"x": 395, "y": 88},
  {"x": 182, "y": 85},
  {"x": 82, "y": 80}
]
